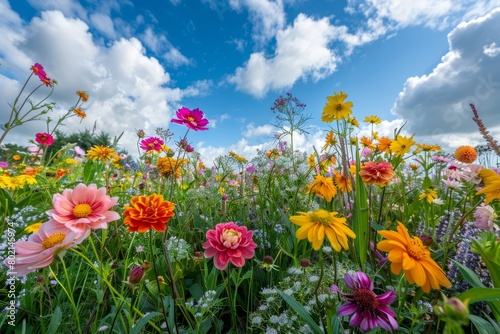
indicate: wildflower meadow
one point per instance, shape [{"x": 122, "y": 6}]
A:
[{"x": 366, "y": 234}]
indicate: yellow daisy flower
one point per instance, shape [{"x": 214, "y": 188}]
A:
[
  {"x": 401, "y": 145},
  {"x": 336, "y": 108},
  {"x": 318, "y": 224}
]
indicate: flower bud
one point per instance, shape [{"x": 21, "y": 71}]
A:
[
  {"x": 426, "y": 240},
  {"x": 136, "y": 275},
  {"x": 456, "y": 310},
  {"x": 304, "y": 263},
  {"x": 146, "y": 265},
  {"x": 268, "y": 259}
]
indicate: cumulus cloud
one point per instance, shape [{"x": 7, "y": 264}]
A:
[
  {"x": 265, "y": 130},
  {"x": 297, "y": 56},
  {"x": 438, "y": 103},
  {"x": 128, "y": 90}
]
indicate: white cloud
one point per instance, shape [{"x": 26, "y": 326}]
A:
[
  {"x": 265, "y": 130},
  {"x": 175, "y": 58},
  {"x": 491, "y": 50},
  {"x": 104, "y": 24},
  {"x": 437, "y": 104},
  {"x": 127, "y": 89},
  {"x": 267, "y": 17},
  {"x": 297, "y": 56}
]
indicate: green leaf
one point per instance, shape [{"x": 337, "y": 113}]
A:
[
  {"x": 301, "y": 311},
  {"x": 360, "y": 223},
  {"x": 469, "y": 275},
  {"x": 55, "y": 321},
  {"x": 141, "y": 323},
  {"x": 480, "y": 295},
  {"x": 482, "y": 326},
  {"x": 88, "y": 172}
]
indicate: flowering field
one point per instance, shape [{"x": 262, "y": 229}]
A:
[{"x": 366, "y": 234}]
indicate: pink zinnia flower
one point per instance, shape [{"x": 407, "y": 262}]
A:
[
  {"x": 44, "y": 139},
  {"x": 41, "y": 247},
  {"x": 152, "y": 144},
  {"x": 193, "y": 119},
  {"x": 83, "y": 208},
  {"x": 368, "y": 309},
  {"x": 229, "y": 243},
  {"x": 484, "y": 215}
]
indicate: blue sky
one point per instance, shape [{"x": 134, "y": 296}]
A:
[{"x": 419, "y": 62}]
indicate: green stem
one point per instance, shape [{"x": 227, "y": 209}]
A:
[
  {"x": 325, "y": 328},
  {"x": 69, "y": 295}
]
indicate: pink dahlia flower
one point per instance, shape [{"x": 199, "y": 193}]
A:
[
  {"x": 368, "y": 310},
  {"x": 484, "y": 215},
  {"x": 229, "y": 243},
  {"x": 44, "y": 139},
  {"x": 152, "y": 144},
  {"x": 83, "y": 208},
  {"x": 41, "y": 247},
  {"x": 193, "y": 119}
]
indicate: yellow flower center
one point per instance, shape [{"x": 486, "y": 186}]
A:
[
  {"x": 366, "y": 299},
  {"x": 230, "y": 237},
  {"x": 321, "y": 217},
  {"x": 53, "y": 240},
  {"x": 416, "y": 249},
  {"x": 190, "y": 118},
  {"x": 82, "y": 210}
]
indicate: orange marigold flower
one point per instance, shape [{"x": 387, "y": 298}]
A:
[
  {"x": 323, "y": 187},
  {"x": 466, "y": 154},
  {"x": 83, "y": 95},
  {"x": 413, "y": 167},
  {"x": 79, "y": 112},
  {"x": 343, "y": 182},
  {"x": 384, "y": 144},
  {"x": 146, "y": 212},
  {"x": 378, "y": 173},
  {"x": 16, "y": 157},
  {"x": 410, "y": 255},
  {"x": 367, "y": 142}
]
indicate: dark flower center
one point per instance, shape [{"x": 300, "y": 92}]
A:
[
  {"x": 366, "y": 298},
  {"x": 338, "y": 107}
]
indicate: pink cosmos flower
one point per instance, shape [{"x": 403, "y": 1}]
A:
[
  {"x": 4, "y": 164},
  {"x": 368, "y": 309},
  {"x": 35, "y": 151},
  {"x": 193, "y": 119},
  {"x": 484, "y": 215},
  {"x": 44, "y": 139},
  {"x": 41, "y": 247},
  {"x": 152, "y": 144},
  {"x": 83, "y": 208},
  {"x": 229, "y": 243},
  {"x": 39, "y": 71}
]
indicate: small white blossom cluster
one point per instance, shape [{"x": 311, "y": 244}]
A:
[{"x": 178, "y": 249}]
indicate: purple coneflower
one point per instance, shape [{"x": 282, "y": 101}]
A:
[{"x": 368, "y": 309}]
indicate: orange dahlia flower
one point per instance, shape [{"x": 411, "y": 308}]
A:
[
  {"x": 148, "y": 212},
  {"x": 378, "y": 173},
  {"x": 466, "y": 154},
  {"x": 412, "y": 256}
]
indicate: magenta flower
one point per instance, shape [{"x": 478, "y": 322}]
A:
[
  {"x": 193, "y": 119},
  {"x": 40, "y": 73},
  {"x": 44, "y": 139},
  {"x": 229, "y": 243},
  {"x": 83, "y": 208},
  {"x": 368, "y": 309},
  {"x": 152, "y": 144},
  {"x": 41, "y": 247}
]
